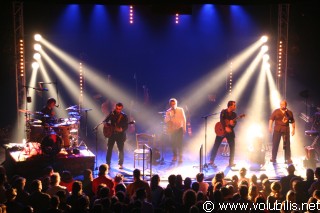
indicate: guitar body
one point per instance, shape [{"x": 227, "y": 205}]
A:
[
  {"x": 108, "y": 130},
  {"x": 220, "y": 131},
  {"x": 218, "y": 128}
]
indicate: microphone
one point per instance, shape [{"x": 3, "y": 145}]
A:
[
  {"x": 41, "y": 89},
  {"x": 57, "y": 105}
]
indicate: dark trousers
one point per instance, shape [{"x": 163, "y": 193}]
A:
[
  {"x": 119, "y": 139},
  {"x": 286, "y": 144},
  {"x": 216, "y": 145},
  {"x": 176, "y": 142}
]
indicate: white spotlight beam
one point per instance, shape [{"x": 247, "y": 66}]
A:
[
  {"x": 216, "y": 78},
  {"x": 274, "y": 93},
  {"x": 31, "y": 92},
  {"x": 93, "y": 77}
]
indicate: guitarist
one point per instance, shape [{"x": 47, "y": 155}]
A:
[
  {"x": 227, "y": 117},
  {"x": 119, "y": 122},
  {"x": 176, "y": 127}
]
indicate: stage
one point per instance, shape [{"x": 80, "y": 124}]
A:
[
  {"x": 28, "y": 161},
  {"x": 31, "y": 165}
]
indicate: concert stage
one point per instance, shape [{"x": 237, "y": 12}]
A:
[{"x": 29, "y": 162}]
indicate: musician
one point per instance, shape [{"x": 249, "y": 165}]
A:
[
  {"x": 176, "y": 127},
  {"x": 281, "y": 117},
  {"x": 227, "y": 119},
  {"x": 48, "y": 113},
  {"x": 119, "y": 121}
]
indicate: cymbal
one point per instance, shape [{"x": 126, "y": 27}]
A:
[
  {"x": 46, "y": 116},
  {"x": 77, "y": 108},
  {"x": 72, "y": 107},
  {"x": 36, "y": 121}
]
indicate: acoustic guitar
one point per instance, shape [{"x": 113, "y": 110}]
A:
[
  {"x": 108, "y": 129},
  {"x": 220, "y": 130}
]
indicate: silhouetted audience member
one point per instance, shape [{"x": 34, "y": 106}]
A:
[
  {"x": 3, "y": 179},
  {"x": 87, "y": 183},
  {"x": 177, "y": 193},
  {"x": 316, "y": 185},
  {"x": 137, "y": 184},
  {"x": 189, "y": 199},
  {"x": 119, "y": 183},
  {"x": 39, "y": 200},
  {"x": 203, "y": 186},
  {"x": 77, "y": 200},
  {"x": 266, "y": 188},
  {"x": 12, "y": 206},
  {"x": 286, "y": 180},
  {"x": 67, "y": 180},
  {"x": 244, "y": 200},
  {"x": 66, "y": 208},
  {"x": 195, "y": 187},
  {"x": 312, "y": 205},
  {"x": 179, "y": 182},
  {"x": 156, "y": 191},
  {"x": 309, "y": 180},
  {"x": 242, "y": 175},
  {"x": 45, "y": 179},
  {"x": 22, "y": 194},
  {"x": 55, "y": 185},
  {"x": 54, "y": 205},
  {"x": 141, "y": 196},
  {"x": 103, "y": 178},
  {"x": 187, "y": 183}
]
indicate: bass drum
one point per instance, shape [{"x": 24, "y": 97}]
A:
[{"x": 51, "y": 144}]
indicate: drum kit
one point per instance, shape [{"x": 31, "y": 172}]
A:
[{"x": 62, "y": 133}]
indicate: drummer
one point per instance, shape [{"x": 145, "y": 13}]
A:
[{"x": 48, "y": 117}]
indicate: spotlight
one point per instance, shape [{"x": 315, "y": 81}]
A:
[
  {"x": 37, "y": 47},
  {"x": 37, "y": 37},
  {"x": 264, "y": 48},
  {"x": 35, "y": 65},
  {"x": 264, "y": 39},
  {"x": 266, "y": 57},
  {"x": 36, "y": 56}
]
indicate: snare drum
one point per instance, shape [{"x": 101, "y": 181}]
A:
[{"x": 51, "y": 144}]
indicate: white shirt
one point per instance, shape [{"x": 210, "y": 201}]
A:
[{"x": 176, "y": 118}]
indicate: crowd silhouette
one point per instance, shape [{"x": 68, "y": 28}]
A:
[{"x": 60, "y": 192}]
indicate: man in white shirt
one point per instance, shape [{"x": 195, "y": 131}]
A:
[{"x": 175, "y": 120}]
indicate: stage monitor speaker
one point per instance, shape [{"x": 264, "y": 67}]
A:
[{"x": 258, "y": 157}]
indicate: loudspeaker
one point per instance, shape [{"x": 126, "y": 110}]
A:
[{"x": 258, "y": 157}]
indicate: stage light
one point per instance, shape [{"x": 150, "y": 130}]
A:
[
  {"x": 266, "y": 57},
  {"x": 37, "y": 37},
  {"x": 264, "y": 39},
  {"x": 35, "y": 65},
  {"x": 131, "y": 15},
  {"x": 264, "y": 48},
  {"x": 177, "y": 18},
  {"x": 37, "y": 47},
  {"x": 36, "y": 56}
]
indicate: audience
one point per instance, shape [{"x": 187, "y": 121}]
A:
[{"x": 104, "y": 194}]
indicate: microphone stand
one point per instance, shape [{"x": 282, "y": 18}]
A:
[
  {"x": 95, "y": 130},
  {"x": 205, "y": 137}
]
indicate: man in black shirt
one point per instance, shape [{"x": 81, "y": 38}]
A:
[{"x": 119, "y": 125}]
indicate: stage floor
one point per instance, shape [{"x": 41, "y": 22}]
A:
[{"x": 95, "y": 154}]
